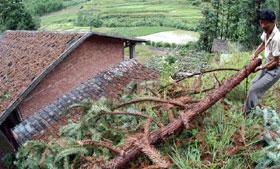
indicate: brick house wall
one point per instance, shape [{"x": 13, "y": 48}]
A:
[{"x": 92, "y": 56}]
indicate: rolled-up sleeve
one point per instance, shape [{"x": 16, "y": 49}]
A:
[{"x": 275, "y": 48}]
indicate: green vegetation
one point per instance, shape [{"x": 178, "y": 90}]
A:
[
  {"x": 273, "y": 4},
  {"x": 233, "y": 20},
  {"x": 42, "y": 7},
  {"x": 11, "y": 9},
  {"x": 4, "y": 96},
  {"x": 120, "y": 13}
]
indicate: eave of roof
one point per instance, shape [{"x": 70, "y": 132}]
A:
[{"x": 119, "y": 37}]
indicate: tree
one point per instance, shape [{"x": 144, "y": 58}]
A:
[
  {"x": 250, "y": 25},
  {"x": 208, "y": 29},
  {"x": 233, "y": 20},
  {"x": 42, "y": 7},
  {"x": 275, "y": 5},
  {"x": 13, "y": 16}
]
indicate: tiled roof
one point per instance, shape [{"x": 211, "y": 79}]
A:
[
  {"x": 24, "y": 55},
  {"x": 109, "y": 83}
]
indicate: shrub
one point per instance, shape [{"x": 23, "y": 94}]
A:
[
  {"x": 9, "y": 10},
  {"x": 42, "y": 7},
  {"x": 196, "y": 2},
  {"x": 88, "y": 19}
]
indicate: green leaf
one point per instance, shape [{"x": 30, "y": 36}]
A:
[{"x": 70, "y": 151}]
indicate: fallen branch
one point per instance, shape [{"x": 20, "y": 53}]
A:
[
  {"x": 147, "y": 131},
  {"x": 144, "y": 99},
  {"x": 171, "y": 116},
  {"x": 180, "y": 123},
  {"x": 148, "y": 149},
  {"x": 207, "y": 71},
  {"x": 216, "y": 78}
]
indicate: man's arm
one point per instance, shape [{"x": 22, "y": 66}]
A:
[
  {"x": 274, "y": 55},
  {"x": 271, "y": 64},
  {"x": 259, "y": 49}
]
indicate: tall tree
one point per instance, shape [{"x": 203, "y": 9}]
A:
[
  {"x": 13, "y": 16},
  {"x": 208, "y": 28},
  {"x": 234, "y": 20}
]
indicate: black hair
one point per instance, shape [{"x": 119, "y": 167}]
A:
[{"x": 266, "y": 14}]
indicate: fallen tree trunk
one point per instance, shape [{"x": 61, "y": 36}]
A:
[{"x": 122, "y": 161}]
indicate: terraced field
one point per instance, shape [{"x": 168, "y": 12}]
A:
[{"x": 130, "y": 18}]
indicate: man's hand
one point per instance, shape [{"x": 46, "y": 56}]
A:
[{"x": 259, "y": 68}]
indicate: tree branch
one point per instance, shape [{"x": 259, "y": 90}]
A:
[
  {"x": 207, "y": 71},
  {"x": 216, "y": 78},
  {"x": 153, "y": 99},
  {"x": 147, "y": 131}
]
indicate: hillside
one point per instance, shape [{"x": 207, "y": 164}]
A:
[{"x": 122, "y": 16}]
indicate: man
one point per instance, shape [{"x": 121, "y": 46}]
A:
[{"x": 270, "y": 71}]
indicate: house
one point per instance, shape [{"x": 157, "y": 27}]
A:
[{"x": 43, "y": 73}]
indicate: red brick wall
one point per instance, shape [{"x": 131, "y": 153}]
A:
[{"x": 92, "y": 56}]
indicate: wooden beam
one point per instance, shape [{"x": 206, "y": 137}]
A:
[{"x": 132, "y": 52}]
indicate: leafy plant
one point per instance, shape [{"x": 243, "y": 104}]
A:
[{"x": 11, "y": 9}]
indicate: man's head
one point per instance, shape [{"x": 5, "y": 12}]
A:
[{"x": 266, "y": 19}]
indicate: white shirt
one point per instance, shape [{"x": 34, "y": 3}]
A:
[{"x": 272, "y": 44}]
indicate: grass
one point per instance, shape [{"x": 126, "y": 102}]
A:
[
  {"x": 145, "y": 52},
  {"x": 114, "y": 11},
  {"x": 213, "y": 145}
]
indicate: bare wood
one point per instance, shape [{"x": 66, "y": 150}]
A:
[
  {"x": 180, "y": 123},
  {"x": 171, "y": 116},
  {"x": 147, "y": 131},
  {"x": 216, "y": 78}
]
